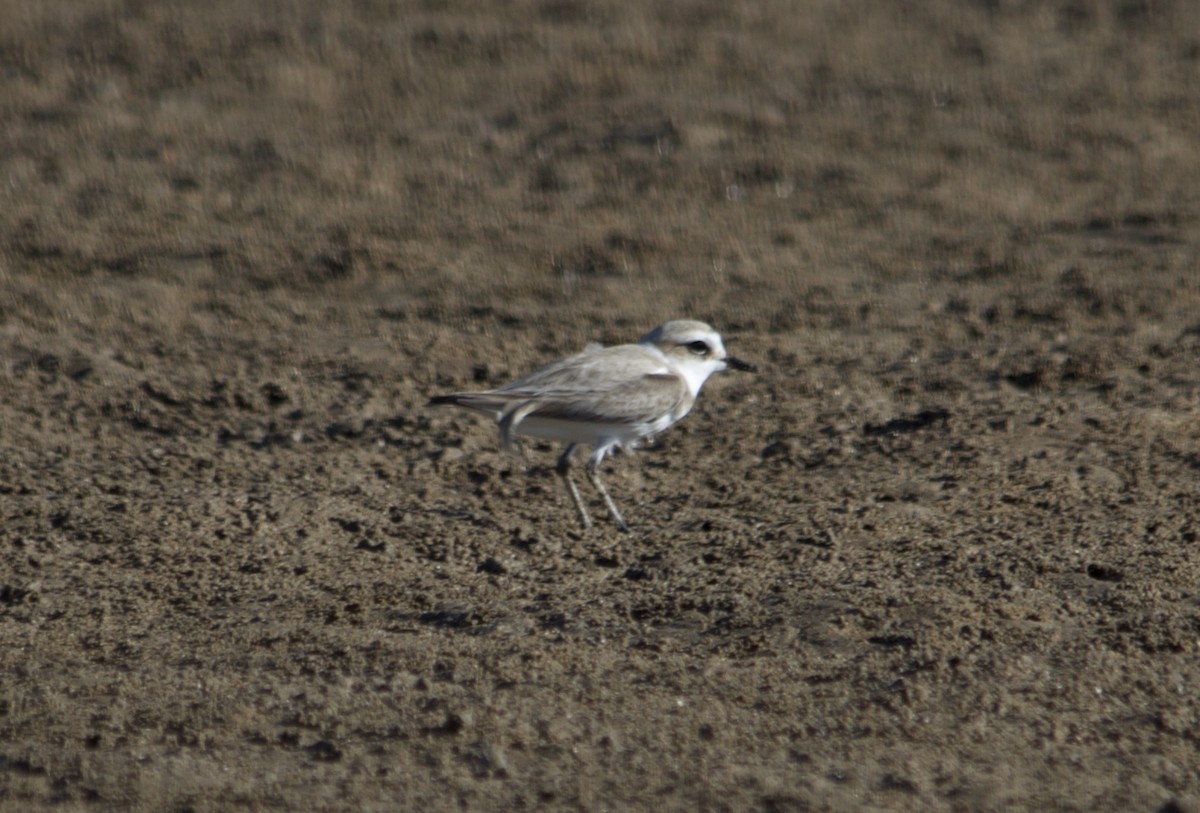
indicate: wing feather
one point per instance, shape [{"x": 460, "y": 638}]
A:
[{"x": 624, "y": 384}]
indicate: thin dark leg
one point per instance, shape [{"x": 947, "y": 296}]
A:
[
  {"x": 563, "y": 468},
  {"x": 594, "y": 476}
]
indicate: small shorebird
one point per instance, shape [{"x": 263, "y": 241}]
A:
[{"x": 607, "y": 397}]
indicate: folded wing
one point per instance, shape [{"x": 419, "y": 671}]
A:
[{"x": 623, "y": 385}]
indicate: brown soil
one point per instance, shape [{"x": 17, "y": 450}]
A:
[{"x": 940, "y": 554}]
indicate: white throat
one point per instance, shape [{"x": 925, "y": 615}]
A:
[{"x": 695, "y": 371}]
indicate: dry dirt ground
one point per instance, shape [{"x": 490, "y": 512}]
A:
[{"x": 941, "y": 553}]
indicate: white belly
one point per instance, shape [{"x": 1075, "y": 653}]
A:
[{"x": 594, "y": 434}]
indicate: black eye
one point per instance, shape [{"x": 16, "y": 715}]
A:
[{"x": 698, "y": 347}]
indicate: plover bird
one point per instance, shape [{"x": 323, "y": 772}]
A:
[{"x": 606, "y": 397}]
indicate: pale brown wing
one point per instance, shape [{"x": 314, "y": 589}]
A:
[
  {"x": 630, "y": 402},
  {"x": 624, "y": 384}
]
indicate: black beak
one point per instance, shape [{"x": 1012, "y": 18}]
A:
[{"x": 738, "y": 364}]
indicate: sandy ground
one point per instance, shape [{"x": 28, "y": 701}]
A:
[{"x": 940, "y": 553}]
